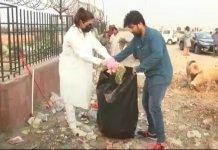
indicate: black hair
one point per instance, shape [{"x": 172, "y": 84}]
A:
[
  {"x": 83, "y": 15},
  {"x": 187, "y": 28},
  {"x": 133, "y": 17}
]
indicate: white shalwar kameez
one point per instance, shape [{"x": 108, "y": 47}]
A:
[
  {"x": 75, "y": 69},
  {"x": 115, "y": 45},
  {"x": 115, "y": 41}
]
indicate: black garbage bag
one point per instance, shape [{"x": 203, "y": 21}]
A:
[{"x": 118, "y": 107}]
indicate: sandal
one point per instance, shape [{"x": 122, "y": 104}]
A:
[
  {"x": 84, "y": 118},
  {"x": 158, "y": 146},
  {"x": 94, "y": 106},
  {"x": 147, "y": 134}
]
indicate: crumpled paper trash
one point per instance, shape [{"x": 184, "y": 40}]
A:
[
  {"x": 34, "y": 122},
  {"x": 15, "y": 140},
  {"x": 119, "y": 74},
  {"x": 43, "y": 117},
  {"x": 57, "y": 102}
]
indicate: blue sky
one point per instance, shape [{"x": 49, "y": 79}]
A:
[{"x": 203, "y": 13}]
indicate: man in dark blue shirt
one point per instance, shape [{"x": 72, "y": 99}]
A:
[{"x": 150, "y": 48}]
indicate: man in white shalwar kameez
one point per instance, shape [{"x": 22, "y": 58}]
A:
[
  {"x": 114, "y": 41},
  {"x": 76, "y": 64}
]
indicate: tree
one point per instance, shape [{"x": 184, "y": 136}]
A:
[
  {"x": 35, "y": 4},
  {"x": 61, "y": 6},
  {"x": 64, "y": 6},
  {"x": 69, "y": 7}
]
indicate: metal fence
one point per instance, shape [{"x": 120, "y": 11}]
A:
[{"x": 37, "y": 36}]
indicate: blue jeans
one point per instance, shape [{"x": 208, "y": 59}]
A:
[{"x": 152, "y": 98}]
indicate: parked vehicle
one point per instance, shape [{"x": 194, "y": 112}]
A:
[
  {"x": 200, "y": 42},
  {"x": 169, "y": 36}
]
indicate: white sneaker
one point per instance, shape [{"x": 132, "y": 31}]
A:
[
  {"x": 78, "y": 124},
  {"x": 76, "y": 130},
  {"x": 70, "y": 122}
]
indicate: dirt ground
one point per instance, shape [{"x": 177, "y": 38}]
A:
[{"x": 191, "y": 118}]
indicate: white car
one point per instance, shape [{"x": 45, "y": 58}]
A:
[{"x": 169, "y": 36}]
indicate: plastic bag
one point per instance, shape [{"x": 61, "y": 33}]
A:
[{"x": 117, "y": 114}]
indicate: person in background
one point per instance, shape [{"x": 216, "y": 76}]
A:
[
  {"x": 155, "y": 63},
  {"x": 76, "y": 66},
  {"x": 110, "y": 30},
  {"x": 215, "y": 39},
  {"x": 114, "y": 42},
  {"x": 187, "y": 41},
  {"x": 105, "y": 41}
]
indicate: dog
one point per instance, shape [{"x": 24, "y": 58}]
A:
[
  {"x": 192, "y": 69},
  {"x": 205, "y": 76}
]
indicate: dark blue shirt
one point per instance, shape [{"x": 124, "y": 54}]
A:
[{"x": 153, "y": 55}]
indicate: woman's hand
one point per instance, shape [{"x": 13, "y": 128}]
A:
[
  {"x": 111, "y": 64},
  {"x": 103, "y": 65}
]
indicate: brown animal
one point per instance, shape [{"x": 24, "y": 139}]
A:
[
  {"x": 192, "y": 69},
  {"x": 205, "y": 76}
]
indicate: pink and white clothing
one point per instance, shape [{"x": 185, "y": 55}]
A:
[{"x": 75, "y": 69}]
